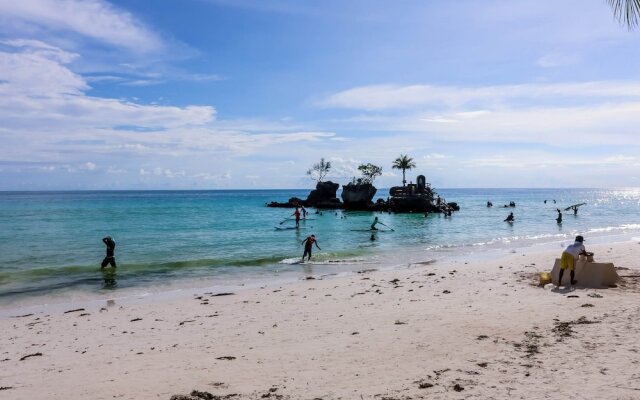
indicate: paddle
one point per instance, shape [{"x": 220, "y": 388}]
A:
[
  {"x": 393, "y": 230},
  {"x": 574, "y": 205},
  {"x": 285, "y": 220}
]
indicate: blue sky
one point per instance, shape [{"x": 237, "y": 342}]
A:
[{"x": 224, "y": 94}]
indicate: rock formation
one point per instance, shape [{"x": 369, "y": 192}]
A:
[
  {"x": 358, "y": 196},
  {"x": 325, "y": 192}
]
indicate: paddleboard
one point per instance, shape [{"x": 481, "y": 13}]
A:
[
  {"x": 286, "y": 228},
  {"x": 575, "y": 205},
  {"x": 371, "y": 230}
]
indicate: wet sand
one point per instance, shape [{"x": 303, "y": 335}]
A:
[{"x": 463, "y": 329}]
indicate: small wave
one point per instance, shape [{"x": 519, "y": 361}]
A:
[
  {"x": 623, "y": 227},
  {"x": 296, "y": 260}
]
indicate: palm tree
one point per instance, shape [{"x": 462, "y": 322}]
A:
[
  {"x": 626, "y": 11},
  {"x": 404, "y": 163}
]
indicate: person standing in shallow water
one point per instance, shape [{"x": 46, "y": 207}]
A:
[
  {"x": 373, "y": 225},
  {"x": 559, "y": 219},
  {"x": 510, "y": 218},
  {"x": 296, "y": 214},
  {"x": 111, "y": 248},
  {"x": 308, "y": 244}
]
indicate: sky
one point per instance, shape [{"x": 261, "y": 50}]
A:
[{"x": 249, "y": 94}]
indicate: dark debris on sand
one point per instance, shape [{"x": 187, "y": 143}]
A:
[
  {"x": 198, "y": 395},
  {"x": 38, "y": 354},
  {"x": 563, "y": 329},
  {"x": 271, "y": 393}
]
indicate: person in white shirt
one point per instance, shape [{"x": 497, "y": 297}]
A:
[{"x": 569, "y": 257}]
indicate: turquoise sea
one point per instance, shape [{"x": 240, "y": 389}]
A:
[{"x": 50, "y": 242}]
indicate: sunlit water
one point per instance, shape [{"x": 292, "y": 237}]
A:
[{"x": 50, "y": 242}]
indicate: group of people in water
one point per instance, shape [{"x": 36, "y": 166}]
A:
[
  {"x": 512, "y": 218},
  {"x": 310, "y": 240}
]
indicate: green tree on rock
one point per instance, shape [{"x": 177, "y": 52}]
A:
[
  {"x": 319, "y": 170},
  {"x": 370, "y": 172},
  {"x": 404, "y": 163}
]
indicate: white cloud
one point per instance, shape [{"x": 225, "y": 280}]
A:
[
  {"x": 89, "y": 166},
  {"x": 435, "y": 156},
  {"x": 552, "y": 60},
  {"x": 116, "y": 170},
  {"x": 91, "y": 18},
  {"x": 386, "y": 97},
  {"x": 162, "y": 172},
  {"x": 523, "y": 160},
  {"x": 561, "y": 114},
  {"x": 43, "y": 104}
]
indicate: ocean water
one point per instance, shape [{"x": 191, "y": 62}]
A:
[{"x": 50, "y": 242}]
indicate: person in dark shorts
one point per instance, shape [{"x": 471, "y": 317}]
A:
[
  {"x": 111, "y": 247},
  {"x": 308, "y": 244}
]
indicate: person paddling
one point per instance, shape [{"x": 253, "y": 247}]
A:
[
  {"x": 308, "y": 244},
  {"x": 510, "y": 218},
  {"x": 375, "y": 222},
  {"x": 296, "y": 214}
]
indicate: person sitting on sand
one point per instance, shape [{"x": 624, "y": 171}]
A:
[
  {"x": 308, "y": 244},
  {"x": 559, "y": 219},
  {"x": 569, "y": 257},
  {"x": 111, "y": 248},
  {"x": 373, "y": 225},
  {"x": 510, "y": 218}
]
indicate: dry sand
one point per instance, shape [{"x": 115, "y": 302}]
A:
[{"x": 459, "y": 330}]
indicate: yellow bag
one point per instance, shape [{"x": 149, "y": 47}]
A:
[{"x": 545, "y": 278}]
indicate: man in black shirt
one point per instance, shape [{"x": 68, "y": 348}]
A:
[{"x": 111, "y": 247}]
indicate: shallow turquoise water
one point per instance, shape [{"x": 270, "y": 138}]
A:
[{"x": 51, "y": 241}]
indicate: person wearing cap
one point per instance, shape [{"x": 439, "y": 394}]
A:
[
  {"x": 569, "y": 257},
  {"x": 308, "y": 244},
  {"x": 111, "y": 248}
]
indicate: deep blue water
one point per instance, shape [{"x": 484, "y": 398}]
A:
[{"x": 51, "y": 241}]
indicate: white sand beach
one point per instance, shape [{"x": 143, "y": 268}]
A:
[{"x": 459, "y": 330}]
